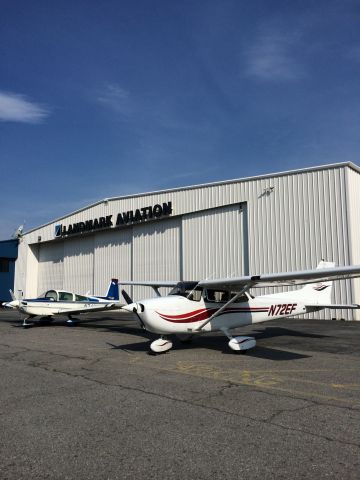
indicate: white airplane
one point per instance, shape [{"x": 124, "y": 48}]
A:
[
  {"x": 224, "y": 304},
  {"x": 60, "y": 302}
]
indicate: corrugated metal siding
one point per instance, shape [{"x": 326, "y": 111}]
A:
[
  {"x": 112, "y": 258},
  {"x": 156, "y": 253},
  {"x": 79, "y": 265},
  {"x": 21, "y": 268},
  {"x": 302, "y": 221},
  {"x": 212, "y": 243},
  {"x": 51, "y": 267},
  {"x": 354, "y": 221}
]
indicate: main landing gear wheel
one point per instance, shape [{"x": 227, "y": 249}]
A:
[
  {"x": 26, "y": 324},
  {"x": 72, "y": 321},
  {"x": 161, "y": 345},
  {"x": 242, "y": 344}
]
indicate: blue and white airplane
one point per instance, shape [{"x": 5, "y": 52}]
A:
[{"x": 61, "y": 302}]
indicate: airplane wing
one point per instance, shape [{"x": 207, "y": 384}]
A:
[
  {"x": 152, "y": 284},
  {"x": 300, "y": 277},
  {"x": 88, "y": 308}
]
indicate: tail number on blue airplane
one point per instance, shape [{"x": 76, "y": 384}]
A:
[{"x": 282, "y": 309}]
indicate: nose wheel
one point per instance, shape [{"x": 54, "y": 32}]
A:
[{"x": 161, "y": 345}]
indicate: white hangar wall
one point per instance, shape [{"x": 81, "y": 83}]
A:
[
  {"x": 280, "y": 222},
  {"x": 353, "y": 215}
]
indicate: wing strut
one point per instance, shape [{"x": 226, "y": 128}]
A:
[
  {"x": 232, "y": 300},
  {"x": 156, "y": 290}
]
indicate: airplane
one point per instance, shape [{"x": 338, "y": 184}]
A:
[
  {"x": 60, "y": 302},
  {"x": 193, "y": 308}
]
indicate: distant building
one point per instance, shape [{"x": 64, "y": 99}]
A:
[
  {"x": 8, "y": 256},
  {"x": 269, "y": 223}
]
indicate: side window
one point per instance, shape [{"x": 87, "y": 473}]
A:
[
  {"x": 81, "y": 298},
  {"x": 217, "y": 296},
  {"x": 65, "y": 296},
  {"x": 243, "y": 298},
  {"x": 195, "y": 295}
]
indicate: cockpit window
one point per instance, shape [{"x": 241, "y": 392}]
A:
[
  {"x": 189, "y": 290},
  {"x": 242, "y": 298},
  {"x": 51, "y": 294},
  {"x": 194, "y": 295},
  {"x": 217, "y": 296},
  {"x": 65, "y": 296}
]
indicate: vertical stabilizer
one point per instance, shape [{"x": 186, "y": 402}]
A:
[
  {"x": 113, "y": 290},
  {"x": 319, "y": 292}
]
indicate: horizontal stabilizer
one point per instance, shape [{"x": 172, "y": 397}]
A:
[{"x": 334, "y": 306}]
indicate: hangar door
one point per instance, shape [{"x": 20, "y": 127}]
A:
[
  {"x": 51, "y": 266},
  {"x": 112, "y": 258},
  {"x": 156, "y": 253},
  {"x": 215, "y": 243},
  {"x": 79, "y": 264}
]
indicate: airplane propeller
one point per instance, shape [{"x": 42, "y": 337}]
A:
[
  {"x": 129, "y": 301},
  {"x": 127, "y": 297},
  {"x": 15, "y": 303}
]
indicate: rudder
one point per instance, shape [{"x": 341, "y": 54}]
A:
[{"x": 113, "y": 290}]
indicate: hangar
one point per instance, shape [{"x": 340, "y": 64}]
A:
[
  {"x": 268, "y": 223},
  {"x": 8, "y": 254}
]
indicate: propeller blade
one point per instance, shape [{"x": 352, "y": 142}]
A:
[
  {"x": 12, "y": 294},
  {"x": 139, "y": 318},
  {"x": 127, "y": 298}
]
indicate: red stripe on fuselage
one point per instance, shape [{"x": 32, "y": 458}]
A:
[{"x": 204, "y": 314}]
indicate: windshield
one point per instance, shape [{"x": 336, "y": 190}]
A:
[{"x": 52, "y": 294}]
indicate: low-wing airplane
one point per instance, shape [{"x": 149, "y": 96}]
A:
[
  {"x": 224, "y": 304},
  {"x": 60, "y": 302}
]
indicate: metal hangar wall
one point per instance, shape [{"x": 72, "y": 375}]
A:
[{"x": 280, "y": 222}]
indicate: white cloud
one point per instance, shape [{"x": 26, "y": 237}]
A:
[
  {"x": 16, "y": 108},
  {"x": 116, "y": 98},
  {"x": 272, "y": 57}
]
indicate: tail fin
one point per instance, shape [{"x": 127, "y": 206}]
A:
[
  {"x": 113, "y": 290},
  {"x": 14, "y": 303},
  {"x": 320, "y": 292}
]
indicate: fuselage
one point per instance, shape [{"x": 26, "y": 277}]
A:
[
  {"x": 176, "y": 314},
  {"x": 54, "y": 302},
  {"x": 44, "y": 307}
]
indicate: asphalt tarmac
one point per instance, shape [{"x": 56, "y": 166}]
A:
[{"x": 89, "y": 402}]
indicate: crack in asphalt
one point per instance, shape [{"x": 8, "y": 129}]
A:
[{"x": 196, "y": 402}]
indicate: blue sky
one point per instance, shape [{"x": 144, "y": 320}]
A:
[{"x": 108, "y": 98}]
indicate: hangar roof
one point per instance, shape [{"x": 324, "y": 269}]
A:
[{"x": 203, "y": 185}]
